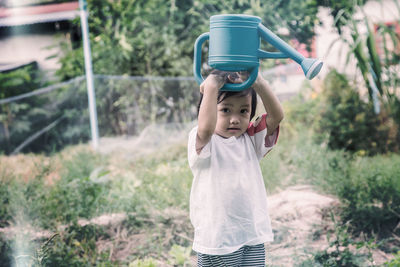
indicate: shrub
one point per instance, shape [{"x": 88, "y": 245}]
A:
[
  {"x": 349, "y": 122},
  {"x": 83, "y": 186},
  {"x": 74, "y": 247},
  {"x": 370, "y": 194}
]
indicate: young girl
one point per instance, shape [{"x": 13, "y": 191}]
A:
[{"x": 228, "y": 201}]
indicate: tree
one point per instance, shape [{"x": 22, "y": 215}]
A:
[{"x": 156, "y": 37}]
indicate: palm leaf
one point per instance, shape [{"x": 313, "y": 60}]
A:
[{"x": 374, "y": 58}]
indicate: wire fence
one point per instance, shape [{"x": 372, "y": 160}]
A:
[
  {"x": 50, "y": 118},
  {"x": 53, "y": 117}
]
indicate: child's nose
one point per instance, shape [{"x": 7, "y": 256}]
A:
[{"x": 234, "y": 119}]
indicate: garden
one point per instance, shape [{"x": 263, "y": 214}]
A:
[{"x": 333, "y": 180}]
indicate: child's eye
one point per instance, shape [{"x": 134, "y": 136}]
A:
[
  {"x": 244, "y": 111},
  {"x": 225, "y": 110}
]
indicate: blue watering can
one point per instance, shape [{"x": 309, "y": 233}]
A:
[{"x": 234, "y": 46}]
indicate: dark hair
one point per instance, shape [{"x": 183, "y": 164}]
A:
[{"x": 222, "y": 95}]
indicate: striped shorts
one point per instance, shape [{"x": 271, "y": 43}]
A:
[{"x": 253, "y": 256}]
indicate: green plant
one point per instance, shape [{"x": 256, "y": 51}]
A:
[
  {"x": 370, "y": 195},
  {"x": 394, "y": 262},
  {"x": 76, "y": 246},
  {"x": 13, "y": 118},
  {"x": 147, "y": 262},
  {"x": 378, "y": 71},
  {"x": 343, "y": 250},
  {"x": 5, "y": 215},
  {"x": 84, "y": 187},
  {"x": 80, "y": 192},
  {"x": 348, "y": 123},
  {"x": 180, "y": 255},
  {"x": 153, "y": 37}
]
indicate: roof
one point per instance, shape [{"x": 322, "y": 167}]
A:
[
  {"x": 38, "y": 14},
  {"x": 6, "y": 67}
]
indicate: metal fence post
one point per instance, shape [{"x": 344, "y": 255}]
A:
[{"x": 89, "y": 75}]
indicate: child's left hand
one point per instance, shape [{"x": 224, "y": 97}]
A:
[{"x": 241, "y": 76}]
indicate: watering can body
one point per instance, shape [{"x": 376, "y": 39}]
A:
[{"x": 234, "y": 45}]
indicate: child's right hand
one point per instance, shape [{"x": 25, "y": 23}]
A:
[{"x": 213, "y": 81}]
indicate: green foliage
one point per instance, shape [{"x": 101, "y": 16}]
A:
[
  {"x": 5, "y": 215},
  {"x": 125, "y": 106},
  {"x": 18, "y": 81},
  {"x": 83, "y": 186},
  {"x": 394, "y": 262},
  {"x": 76, "y": 246},
  {"x": 343, "y": 251},
  {"x": 15, "y": 121},
  {"x": 349, "y": 122},
  {"x": 379, "y": 71},
  {"x": 370, "y": 195},
  {"x": 343, "y": 8},
  {"x": 367, "y": 187},
  {"x": 147, "y": 262},
  {"x": 180, "y": 255},
  {"x": 156, "y": 37}
]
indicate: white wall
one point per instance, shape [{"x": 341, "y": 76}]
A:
[{"x": 26, "y": 47}]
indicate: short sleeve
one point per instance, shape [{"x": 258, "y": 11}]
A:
[
  {"x": 262, "y": 142},
  {"x": 193, "y": 157}
]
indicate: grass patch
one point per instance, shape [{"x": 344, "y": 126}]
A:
[{"x": 153, "y": 191}]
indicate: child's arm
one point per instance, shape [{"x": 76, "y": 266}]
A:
[
  {"x": 207, "y": 118},
  {"x": 271, "y": 104}
]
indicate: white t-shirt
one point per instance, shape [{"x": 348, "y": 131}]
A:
[{"x": 228, "y": 200}]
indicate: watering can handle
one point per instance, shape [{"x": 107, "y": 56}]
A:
[{"x": 197, "y": 68}]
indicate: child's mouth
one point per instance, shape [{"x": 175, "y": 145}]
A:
[{"x": 234, "y": 129}]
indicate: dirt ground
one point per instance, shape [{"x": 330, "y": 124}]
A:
[
  {"x": 300, "y": 220},
  {"x": 300, "y": 217}
]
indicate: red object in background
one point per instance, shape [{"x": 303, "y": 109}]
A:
[
  {"x": 282, "y": 68},
  {"x": 302, "y": 48},
  {"x": 390, "y": 46}
]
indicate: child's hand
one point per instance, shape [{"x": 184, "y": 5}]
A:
[
  {"x": 238, "y": 77},
  {"x": 213, "y": 81}
]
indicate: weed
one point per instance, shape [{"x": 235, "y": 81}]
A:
[
  {"x": 180, "y": 255},
  {"x": 147, "y": 262},
  {"x": 343, "y": 250},
  {"x": 394, "y": 262},
  {"x": 76, "y": 246}
]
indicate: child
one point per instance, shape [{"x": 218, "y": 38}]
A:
[{"x": 228, "y": 201}]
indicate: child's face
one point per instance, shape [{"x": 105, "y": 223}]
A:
[{"x": 233, "y": 116}]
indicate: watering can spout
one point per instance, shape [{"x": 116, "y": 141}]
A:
[{"x": 311, "y": 67}]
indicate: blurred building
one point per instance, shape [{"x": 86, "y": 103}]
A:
[{"x": 31, "y": 33}]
